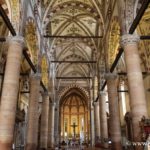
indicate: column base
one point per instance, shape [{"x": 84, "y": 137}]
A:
[
  {"x": 116, "y": 146},
  {"x": 138, "y": 147},
  {"x": 5, "y": 146},
  {"x": 31, "y": 147},
  {"x": 51, "y": 146},
  {"x": 105, "y": 145}
]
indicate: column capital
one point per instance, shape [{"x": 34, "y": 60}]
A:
[
  {"x": 96, "y": 103},
  {"x": 111, "y": 76},
  {"x": 53, "y": 104},
  {"x": 129, "y": 39},
  {"x": 50, "y": 93},
  {"x": 35, "y": 75},
  {"x": 17, "y": 39},
  {"x": 102, "y": 93},
  {"x": 44, "y": 93}
]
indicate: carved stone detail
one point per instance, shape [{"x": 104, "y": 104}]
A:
[
  {"x": 17, "y": 39},
  {"x": 129, "y": 39},
  {"x": 109, "y": 76},
  {"x": 102, "y": 93},
  {"x": 37, "y": 76}
]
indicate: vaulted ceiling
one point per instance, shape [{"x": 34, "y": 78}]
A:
[
  {"x": 144, "y": 45},
  {"x": 72, "y": 18}
]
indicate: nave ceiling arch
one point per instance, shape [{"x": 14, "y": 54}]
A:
[
  {"x": 74, "y": 109},
  {"x": 73, "y": 18}
]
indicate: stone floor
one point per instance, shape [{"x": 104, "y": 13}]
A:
[{"x": 78, "y": 148}]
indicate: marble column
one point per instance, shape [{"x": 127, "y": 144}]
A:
[
  {"x": 115, "y": 130},
  {"x": 51, "y": 126},
  {"x": 56, "y": 126},
  {"x": 92, "y": 125},
  {"x": 10, "y": 92},
  {"x": 32, "y": 127},
  {"x": 78, "y": 122},
  {"x": 62, "y": 123},
  {"x": 103, "y": 119},
  {"x": 97, "y": 121},
  {"x": 44, "y": 121},
  {"x": 69, "y": 122},
  {"x": 135, "y": 82}
]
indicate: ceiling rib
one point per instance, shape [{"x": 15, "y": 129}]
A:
[
  {"x": 71, "y": 37},
  {"x": 73, "y": 78},
  {"x": 73, "y": 62},
  {"x": 142, "y": 37}
]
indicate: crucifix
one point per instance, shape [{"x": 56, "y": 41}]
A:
[{"x": 74, "y": 128}]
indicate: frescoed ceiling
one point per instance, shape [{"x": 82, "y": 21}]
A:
[
  {"x": 144, "y": 46},
  {"x": 73, "y": 18}
]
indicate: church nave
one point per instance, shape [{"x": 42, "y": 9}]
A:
[{"x": 75, "y": 74}]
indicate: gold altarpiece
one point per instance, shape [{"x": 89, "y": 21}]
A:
[{"x": 74, "y": 111}]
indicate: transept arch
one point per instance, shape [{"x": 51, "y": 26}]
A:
[
  {"x": 63, "y": 92},
  {"x": 74, "y": 111}
]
